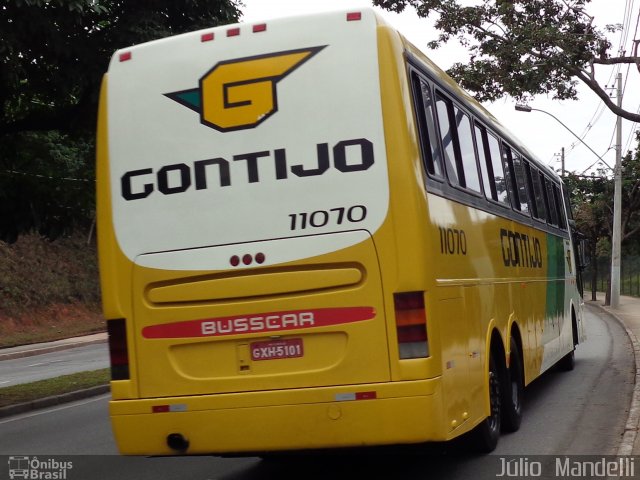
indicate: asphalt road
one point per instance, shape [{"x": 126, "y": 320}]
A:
[
  {"x": 54, "y": 364},
  {"x": 566, "y": 413}
]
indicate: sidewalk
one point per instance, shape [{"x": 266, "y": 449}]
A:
[
  {"x": 628, "y": 313},
  {"x": 39, "y": 348}
]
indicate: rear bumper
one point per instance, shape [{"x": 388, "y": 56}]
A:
[{"x": 318, "y": 418}]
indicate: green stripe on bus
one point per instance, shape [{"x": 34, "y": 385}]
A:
[{"x": 555, "y": 276}]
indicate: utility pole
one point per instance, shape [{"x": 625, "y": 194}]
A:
[
  {"x": 617, "y": 204},
  {"x": 561, "y": 155}
]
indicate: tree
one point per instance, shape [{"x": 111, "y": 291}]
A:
[
  {"x": 591, "y": 213},
  {"x": 523, "y": 48},
  {"x": 593, "y": 208},
  {"x": 53, "y": 54}
]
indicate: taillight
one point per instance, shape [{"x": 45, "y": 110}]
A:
[
  {"x": 118, "y": 350},
  {"x": 411, "y": 325}
]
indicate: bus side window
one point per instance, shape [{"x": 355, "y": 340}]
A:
[
  {"x": 521, "y": 182},
  {"x": 567, "y": 202},
  {"x": 562, "y": 219},
  {"x": 552, "y": 215},
  {"x": 486, "y": 168},
  {"x": 467, "y": 150},
  {"x": 532, "y": 201},
  {"x": 424, "y": 112},
  {"x": 499, "y": 177},
  {"x": 541, "y": 211},
  {"x": 457, "y": 142},
  {"x": 446, "y": 134},
  {"x": 509, "y": 174}
]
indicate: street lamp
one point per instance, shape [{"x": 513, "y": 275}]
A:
[
  {"x": 615, "y": 241},
  {"x": 527, "y": 108}
]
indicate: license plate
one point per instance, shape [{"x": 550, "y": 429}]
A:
[{"x": 277, "y": 349}]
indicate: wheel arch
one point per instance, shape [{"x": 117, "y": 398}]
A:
[{"x": 574, "y": 325}]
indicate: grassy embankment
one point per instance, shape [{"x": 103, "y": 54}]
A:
[
  {"x": 52, "y": 386},
  {"x": 48, "y": 291}
]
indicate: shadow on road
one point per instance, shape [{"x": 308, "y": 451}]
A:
[{"x": 440, "y": 460}]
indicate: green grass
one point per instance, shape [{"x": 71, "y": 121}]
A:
[{"x": 53, "y": 386}]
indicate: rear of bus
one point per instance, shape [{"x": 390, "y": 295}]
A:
[{"x": 247, "y": 250}]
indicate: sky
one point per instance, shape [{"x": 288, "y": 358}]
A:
[{"x": 587, "y": 117}]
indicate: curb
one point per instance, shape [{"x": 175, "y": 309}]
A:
[
  {"x": 54, "y": 348},
  {"x": 633, "y": 420},
  {"x": 54, "y": 400}
]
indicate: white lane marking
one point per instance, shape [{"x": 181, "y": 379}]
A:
[{"x": 45, "y": 363}]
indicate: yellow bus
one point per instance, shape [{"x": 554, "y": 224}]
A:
[{"x": 310, "y": 237}]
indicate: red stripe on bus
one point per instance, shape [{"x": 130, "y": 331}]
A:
[{"x": 261, "y": 322}]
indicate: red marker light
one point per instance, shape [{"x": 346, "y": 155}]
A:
[
  {"x": 233, "y": 32},
  {"x": 354, "y": 16},
  {"x": 261, "y": 27},
  {"x": 247, "y": 259},
  {"x": 260, "y": 258},
  {"x": 234, "y": 261},
  {"x": 207, "y": 37},
  {"x": 366, "y": 395},
  {"x": 124, "y": 56}
]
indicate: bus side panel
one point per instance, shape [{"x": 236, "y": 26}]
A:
[
  {"x": 115, "y": 268},
  {"x": 403, "y": 244}
]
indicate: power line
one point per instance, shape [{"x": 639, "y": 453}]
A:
[
  {"x": 600, "y": 109},
  {"x": 596, "y": 162}
]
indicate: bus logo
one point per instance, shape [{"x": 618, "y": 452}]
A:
[
  {"x": 18, "y": 467},
  {"x": 241, "y": 93}
]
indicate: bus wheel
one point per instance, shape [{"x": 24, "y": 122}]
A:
[
  {"x": 513, "y": 395},
  {"x": 568, "y": 362},
  {"x": 485, "y": 436}
]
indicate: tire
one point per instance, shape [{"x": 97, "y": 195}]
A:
[
  {"x": 513, "y": 394},
  {"x": 485, "y": 436},
  {"x": 568, "y": 362}
]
